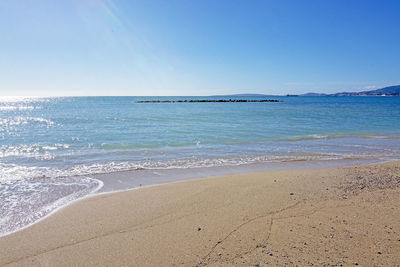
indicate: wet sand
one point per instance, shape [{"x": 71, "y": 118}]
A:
[{"x": 337, "y": 216}]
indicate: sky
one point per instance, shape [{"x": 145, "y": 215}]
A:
[{"x": 197, "y": 47}]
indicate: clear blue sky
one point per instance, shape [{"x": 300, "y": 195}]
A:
[{"x": 202, "y": 47}]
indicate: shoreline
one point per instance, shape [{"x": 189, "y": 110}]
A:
[
  {"x": 189, "y": 189},
  {"x": 58, "y": 208},
  {"x": 131, "y": 179},
  {"x": 108, "y": 182}
]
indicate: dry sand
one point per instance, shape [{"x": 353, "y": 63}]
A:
[{"x": 339, "y": 216}]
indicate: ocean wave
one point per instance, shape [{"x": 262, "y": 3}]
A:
[
  {"x": 392, "y": 137},
  {"x": 18, "y": 107},
  {"x": 12, "y": 172},
  {"x": 16, "y": 121},
  {"x": 333, "y": 136},
  {"x": 24, "y": 202},
  {"x": 31, "y": 151},
  {"x": 227, "y": 141}
]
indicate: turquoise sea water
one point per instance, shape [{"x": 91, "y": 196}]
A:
[{"x": 46, "y": 142}]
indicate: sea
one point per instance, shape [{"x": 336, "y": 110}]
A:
[{"x": 55, "y": 150}]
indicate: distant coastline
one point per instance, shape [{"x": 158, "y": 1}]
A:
[{"x": 386, "y": 91}]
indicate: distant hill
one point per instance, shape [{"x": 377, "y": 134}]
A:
[
  {"x": 386, "y": 91},
  {"x": 314, "y": 94},
  {"x": 242, "y": 95}
]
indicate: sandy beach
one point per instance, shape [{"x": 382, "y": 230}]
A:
[{"x": 338, "y": 217}]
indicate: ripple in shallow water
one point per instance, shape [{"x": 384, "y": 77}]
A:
[{"x": 27, "y": 201}]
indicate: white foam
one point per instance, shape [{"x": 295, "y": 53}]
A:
[
  {"x": 28, "y": 201},
  {"x": 12, "y": 172}
]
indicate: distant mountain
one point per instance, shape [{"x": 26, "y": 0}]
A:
[
  {"x": 314, "y": 94},
  {"x": 386, "y": 91},
  {"x": 244, "y": 95}
]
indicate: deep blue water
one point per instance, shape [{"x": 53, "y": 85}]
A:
[{"x": 54, "y": 138}]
